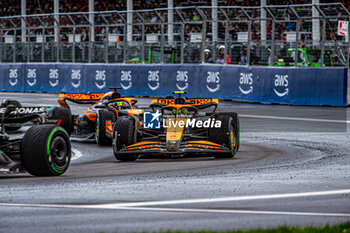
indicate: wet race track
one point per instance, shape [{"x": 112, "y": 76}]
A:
[{"x": 293, "y": 168}]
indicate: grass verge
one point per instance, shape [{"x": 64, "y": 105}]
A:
[{"x": 340, "y": 228}]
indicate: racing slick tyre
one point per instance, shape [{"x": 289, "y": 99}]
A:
[
  {"x": 236, "y": 123},
  {"x": 17, "y": 104},
  {"x": 46, "y": 150},
  {"x": 64, "y": 116},
  {"x": 104, "y": 126},
  {"x": 124, "y": 135},
  {"x": 225, "y": 135}
]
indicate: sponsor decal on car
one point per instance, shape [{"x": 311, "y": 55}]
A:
[
  {"x": 82, "y": 96},
  {"x": 192, "y": 101},
  {"x": 27, "y": 110}
]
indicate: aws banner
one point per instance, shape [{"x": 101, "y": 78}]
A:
[{"x": 298, "y": 86}]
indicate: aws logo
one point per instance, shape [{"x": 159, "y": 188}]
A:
[
  {"x": 125, "y": 79},
  {"x": 246, "y": 83},
  {"x": 182, "y": 80},
  {"x": 31, "y": 77},
  {"x": 13, "y": 75},
  {"x": 75, "y": 76},
  {"x": 100, "y": 79},
  {"x": 53, "y": 77},
  {"x": 213, "y": 81},
  {"x": 281, "y": 85},
  {"x": 153, "y": 80}
]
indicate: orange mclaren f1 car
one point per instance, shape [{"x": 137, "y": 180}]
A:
[
  {"x": 177, "y": 126},
  {"x": 96, "y": 123}
]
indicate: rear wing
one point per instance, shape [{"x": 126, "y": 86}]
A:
[
  {"x": 79, "y": 98},
  {"x": 197, "y": 102}
]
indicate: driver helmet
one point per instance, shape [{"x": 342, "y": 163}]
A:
[
  {"x": 181, "y": 111},
  {"x": 119, "y": 104}
]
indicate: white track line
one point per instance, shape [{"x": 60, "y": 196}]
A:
[
  {"x": 141, "y": 205},
  {"x": 189, "y": 210},
  {"x": 295, "y": 118},
  {"x": 234, "y": 198},
  {"x": 227, "y": 211},
  {"x": 76, "y": 154}
]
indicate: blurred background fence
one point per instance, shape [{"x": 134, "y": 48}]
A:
[{"x": 256, "y": 35}]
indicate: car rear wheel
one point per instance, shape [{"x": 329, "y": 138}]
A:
[
  {"x": 226, "y": 135},
  {"x": 104, "y": 127},
  {"x": 124, "y": 135},
  {"x": 46, "y": 150},
  {"x": 64, "y": 116}
]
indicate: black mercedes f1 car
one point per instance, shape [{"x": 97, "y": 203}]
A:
[{"x": 44, "y": 149}]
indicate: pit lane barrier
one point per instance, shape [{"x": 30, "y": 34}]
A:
[{"x": 281, "y": 85}]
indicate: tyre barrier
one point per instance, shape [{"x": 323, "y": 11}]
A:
[{"x": 281, "y": 85}]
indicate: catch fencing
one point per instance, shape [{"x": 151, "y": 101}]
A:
[{"x": 103, "y": 37}]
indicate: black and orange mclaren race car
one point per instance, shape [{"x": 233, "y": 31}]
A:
[
  {"x": 176, "y": 127},
  {"x": 44, "y": 149},
  {"x": 96, "y": 123}
]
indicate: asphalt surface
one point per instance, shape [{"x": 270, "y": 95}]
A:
[{"x": 293, "y": 168}]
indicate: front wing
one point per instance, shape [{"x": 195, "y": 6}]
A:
[{"x": 190, "y": 147}]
